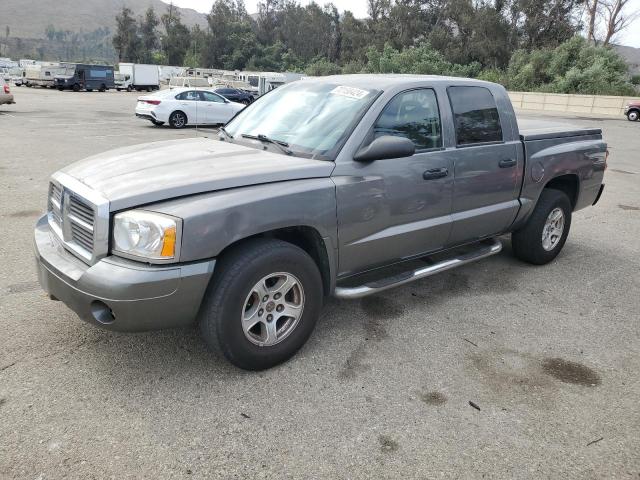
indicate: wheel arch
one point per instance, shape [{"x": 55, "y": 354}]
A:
[
  {"x": 568, "y": 184},
  {"x": 305, "y": 237}
]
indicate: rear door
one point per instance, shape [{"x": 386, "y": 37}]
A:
[
  {"x": 188, "y": 102},
  {"x": 486, "y": 165}
]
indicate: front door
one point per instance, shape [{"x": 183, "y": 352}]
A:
[
  {"x": 216, "y": 110},
  {"x": 389, "y": 210},
  {"x": 486, "y": 166}
]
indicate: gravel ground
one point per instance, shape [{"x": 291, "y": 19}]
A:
[{"x": 386, "y": 386}]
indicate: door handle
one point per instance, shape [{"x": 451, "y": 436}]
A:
[
  {"x": 435, "y": 173},
  {"x": 508, "y": 162}
]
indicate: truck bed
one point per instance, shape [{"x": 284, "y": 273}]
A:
[{"x": 533, "y": 129}]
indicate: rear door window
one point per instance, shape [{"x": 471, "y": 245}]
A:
[
  {"x": 413, "y": 114},
  {"x": 211, "y": 97},
  {"x": 475, "y": 115}
]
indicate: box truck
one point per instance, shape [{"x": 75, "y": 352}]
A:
[{"x": 137, "y": 76}]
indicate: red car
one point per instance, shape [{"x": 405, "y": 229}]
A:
[{"x": 632, "y": 111}]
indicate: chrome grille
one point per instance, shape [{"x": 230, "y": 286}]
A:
[
  {"x": 81, "y": 219},
  {"x": 55, "y": 203},
  {"x": 79, "y": 216}
]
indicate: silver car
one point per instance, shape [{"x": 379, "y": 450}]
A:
[{"x": 5, "y": 92}]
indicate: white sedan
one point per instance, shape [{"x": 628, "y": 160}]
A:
[{"x": 180, "y": 107}]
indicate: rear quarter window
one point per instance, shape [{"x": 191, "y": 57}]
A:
[{"x": 475, "y": 115}]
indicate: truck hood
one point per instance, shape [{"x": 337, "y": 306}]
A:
[{"x": 147, "y": 173}]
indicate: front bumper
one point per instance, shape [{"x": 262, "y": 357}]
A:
[{"x": 119, "y": 294}]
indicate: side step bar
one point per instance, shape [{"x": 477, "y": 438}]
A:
[{"x": 485, "y": 249}]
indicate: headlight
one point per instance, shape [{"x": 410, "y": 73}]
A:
[{"x": 152, "y": 236}]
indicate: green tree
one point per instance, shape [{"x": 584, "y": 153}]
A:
[
  {"x": 176, "y": 39},
  {"x": 126, "y": 40},
  {"x": 149, "y": 35}
]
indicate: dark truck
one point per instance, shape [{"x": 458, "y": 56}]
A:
[
  {"x": 80, "y": 76},
  {"x": 343, "y": 185}
]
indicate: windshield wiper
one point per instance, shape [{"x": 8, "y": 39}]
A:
[
  {"x": 284, "y": 146},
  {"x": 226, "y": 134}
]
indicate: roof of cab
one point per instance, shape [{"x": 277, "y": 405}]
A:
[{"x": 383, "y": 81}]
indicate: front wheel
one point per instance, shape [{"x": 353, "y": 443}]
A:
[
  {"x": 633, "y": 115},
  {"x": 545, "y": 233},
  {"x": 262, "y": 303}
]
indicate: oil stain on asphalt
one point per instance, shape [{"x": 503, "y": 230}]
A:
[
  {"x": 433, "y": 398},
  {"x": 570, "y": 372},
  {"x": 388, "y": 444},
  {"x": 628, "y": 207}
]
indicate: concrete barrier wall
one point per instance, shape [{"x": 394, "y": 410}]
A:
[{"x": 558, "y": 102}]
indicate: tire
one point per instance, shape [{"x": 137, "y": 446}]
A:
[
  {"x": 245, "y": 102},
  {"x": 76, "y": 87},
  {"x": 633, "y": 115},
  {"x": 529, "y": 244},
  {"x": 232, "y": 295},
  {"x": 178, "y": 119},
  {"x": 102, "y": 88}
]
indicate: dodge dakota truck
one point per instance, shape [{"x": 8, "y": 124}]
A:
[{"x": 341, "y": 185}]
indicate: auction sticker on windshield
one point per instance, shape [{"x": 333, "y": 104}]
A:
[{"x": 351, "y": 92}]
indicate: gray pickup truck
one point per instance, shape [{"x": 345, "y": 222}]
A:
[{"x": 343, "y": 185}]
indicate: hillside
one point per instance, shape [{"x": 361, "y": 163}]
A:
[
  {"x": 631, "y": 56},
  {"x": 29, "y": 18}
]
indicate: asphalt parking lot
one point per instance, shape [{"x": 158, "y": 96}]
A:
[{"x": 550, "y": 356}]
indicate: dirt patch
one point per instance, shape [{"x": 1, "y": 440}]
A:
[
  {"x": 628, "y": 207},
  {"x": 25, "y": 213},
  {"x": 381, "y": 307},
  {"x": 433, "y": 398},
  {"x": 23, "y": 287},
  {"x": 570, "y": 372},
  {"x": 388, "y": 444}
]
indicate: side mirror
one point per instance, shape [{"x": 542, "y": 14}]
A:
[{"x": 384, "y": 148}]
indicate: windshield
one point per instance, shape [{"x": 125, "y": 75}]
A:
[{"x": 312, "y": 118}]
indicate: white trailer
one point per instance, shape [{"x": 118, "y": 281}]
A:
[
  {"x": 137, "y": 76},
  {"x": 42, "y": 75}
]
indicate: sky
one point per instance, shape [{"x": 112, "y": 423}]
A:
[{"x": 630, "y": 37}]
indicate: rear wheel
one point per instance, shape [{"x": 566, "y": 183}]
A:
[
  {"x": 103, "y": 88},
  {"x": 633, "y": 115},
  {"x": 545, "y": 233},
  {"x": 178, "y": 119},
  {"x": 262, "y": 304}
]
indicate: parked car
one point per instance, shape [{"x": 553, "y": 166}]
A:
[
  {"x": 188, "y": 82},
  {"x": 180, "y": 107},
  {"x": 327, "y": 186},
  {"x": 632, "y": 111},
  {"x": 6, "y": 97},
  {"x": 235, "y": 95}
]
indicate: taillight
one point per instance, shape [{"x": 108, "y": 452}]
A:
[
  {"x": 6, "y": 89},
  {"x": 153, "y": 102}
]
